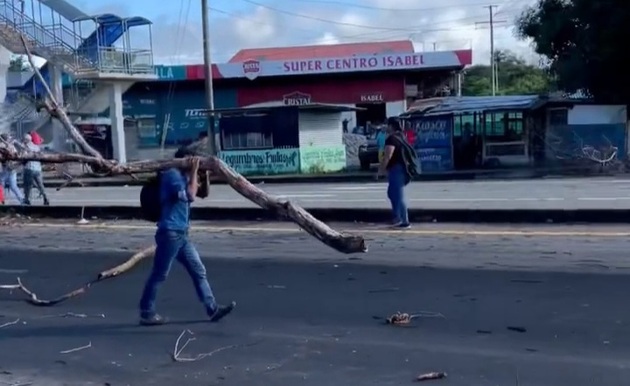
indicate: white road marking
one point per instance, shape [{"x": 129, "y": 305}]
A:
[
  {"x": 331, "y": 198},
  {"x": 603, "y": 198}
]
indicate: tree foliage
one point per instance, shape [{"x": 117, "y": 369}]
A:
[
  {"x": 516, "y": 77},
  {"x": 584, "y": 41}
]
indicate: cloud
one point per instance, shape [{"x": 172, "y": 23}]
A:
[{"x": 444, "y": 25}]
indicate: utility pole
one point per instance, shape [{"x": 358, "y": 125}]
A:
[
  {"x": 207, "y": 63},
  {"x": 493, "y": 67}
]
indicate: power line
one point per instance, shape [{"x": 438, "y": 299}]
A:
[
  {"x": 421, "y": 28},
  {"x": 389, "y": 9},
  {"x": 322, "y": 20}
]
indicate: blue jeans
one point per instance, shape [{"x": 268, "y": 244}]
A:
[
  {"x": 9, "y": 179},
  {"x": 173, "y": 245},
  {"x": 397, "y": 179}
]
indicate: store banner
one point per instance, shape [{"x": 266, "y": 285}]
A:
[
  {"x": 263, "y": 162},
  {"x": 322, "y": 159}
]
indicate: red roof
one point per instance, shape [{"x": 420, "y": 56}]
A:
[{"x": 323, "y": 51}]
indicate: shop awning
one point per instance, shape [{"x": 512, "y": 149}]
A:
[
  {"x": 469, "y": 105},
  {"x": 266, "y": 107}
]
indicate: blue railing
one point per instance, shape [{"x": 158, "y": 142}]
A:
[{"x": 103, "y": 36}]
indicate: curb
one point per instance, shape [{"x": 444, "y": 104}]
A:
[
  {"x": 505, "y": 216},
  {"x": 332, "y": 178},
  {"x": 102, "y": 182}
]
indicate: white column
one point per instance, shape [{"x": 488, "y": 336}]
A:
[
  {"x": 118, "y": 123},
  {"x": 5, "y": 62},
  {"x": 56, "y": 86}
]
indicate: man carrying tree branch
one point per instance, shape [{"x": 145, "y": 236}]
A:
[{"x": 176, "y": 190}]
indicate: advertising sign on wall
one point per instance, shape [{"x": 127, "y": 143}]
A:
[
  {"x": 433, "y": 131},
  {"x": 434, "y": 143},
  {"x": 263, "y": 162},
  {"x": 435, "y": 160},
  {"x": 181, "y": 113},
  {"x": 322, "y": 159}
]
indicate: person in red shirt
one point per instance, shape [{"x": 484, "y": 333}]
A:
[
  {"x": 37, "y": 139},
  {"x": 411, "y": 136}
]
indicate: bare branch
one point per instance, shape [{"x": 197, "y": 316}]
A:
[
  {"x": 16, "y": 321},
  {"x": 89, "y": 345},
  {"x": 177, "y": 350},
  {"x": 345, "y": 243},
  {"x": 113, "y": 272}
]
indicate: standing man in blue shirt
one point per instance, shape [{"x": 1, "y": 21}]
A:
[{"x": 178, "y": 189}]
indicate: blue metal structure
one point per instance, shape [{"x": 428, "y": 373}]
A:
[{"x": 109, "y": 29}]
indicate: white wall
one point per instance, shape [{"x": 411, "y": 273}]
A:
[
  {"x": 394, "y": 109},
  {"x": 597, "y": 114},
  {"x": 320, "y": 128}
]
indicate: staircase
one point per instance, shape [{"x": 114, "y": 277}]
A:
[{"x": 62, "y": 46}]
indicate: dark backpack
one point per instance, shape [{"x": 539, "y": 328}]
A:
[
  {"x": 150, "y": 203},
  {"x": 409, "y": 157}
]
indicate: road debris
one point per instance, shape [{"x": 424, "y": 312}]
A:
[{"x": 430, "y": 376}]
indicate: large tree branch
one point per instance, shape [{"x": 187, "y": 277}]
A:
[{"x": 342, "y": 242}]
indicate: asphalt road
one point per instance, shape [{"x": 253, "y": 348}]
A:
[
  {"x": 593, "y": 193},
  {"x": 309, "y": 316}
]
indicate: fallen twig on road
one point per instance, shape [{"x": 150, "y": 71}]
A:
[
  {"x": 16, "y": 321},
  {"x": 72, "y": 315},
  {"x": 89, "y": 345},
  {"x": 107, "y": 274},
  {"x": 177, "y": 350},
  {"x": 430, "y": 376},
  {"x": 402, "y": 318}
]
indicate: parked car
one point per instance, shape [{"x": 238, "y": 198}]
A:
[{"x": 368, "y": 154}]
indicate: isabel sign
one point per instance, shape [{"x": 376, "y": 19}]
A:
[{"x": 263, "y": 162}]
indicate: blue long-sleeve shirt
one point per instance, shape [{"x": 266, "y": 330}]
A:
[{"x": 175, "y": 201}]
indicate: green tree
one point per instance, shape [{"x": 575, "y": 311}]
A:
[
  {"x": 515, "y": 77},
  {"x": 584, "y": 42},
  {"x": 18, "y": 64}
]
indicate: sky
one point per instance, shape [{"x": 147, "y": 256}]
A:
[{"x": 237, "y": 24}]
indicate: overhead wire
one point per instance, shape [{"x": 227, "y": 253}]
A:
[
  {"x": 376, "y": 33},
  {"x": 172, "y": 86},
  {"x": 390, "y": 9}
]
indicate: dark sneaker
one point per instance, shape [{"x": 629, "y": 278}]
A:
[
  {"x": 46, "y": 202},
  {"x": 402, "y": 226},
  {"x": 221, "y": 312},
  {"x": 155, "y": 320}
]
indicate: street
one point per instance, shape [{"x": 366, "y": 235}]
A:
[
  {"x": 508, "y": 305},
  {"x": 586, "y": 193}
]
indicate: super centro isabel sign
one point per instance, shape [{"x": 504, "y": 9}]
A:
[
  {"x": 253, "y": 68},
  {"x": 354, "y": 63}
]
